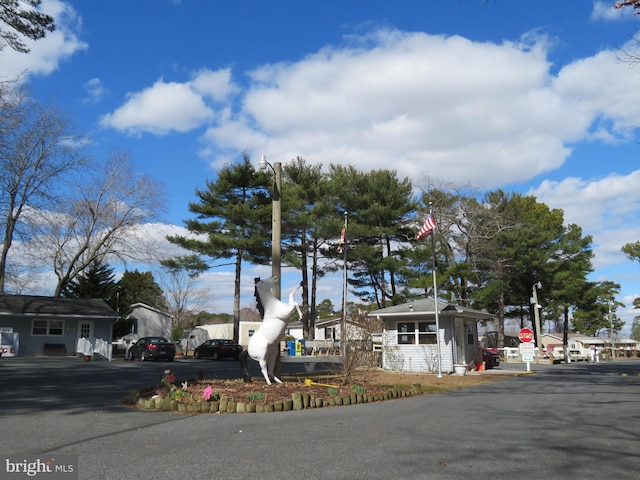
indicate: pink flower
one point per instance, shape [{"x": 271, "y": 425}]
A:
[{"x": 207, "y": 393}]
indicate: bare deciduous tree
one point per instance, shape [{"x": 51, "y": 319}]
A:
[
  {"x": 104, "y": 220},
  {"x": 36, "y": 155},
  {"x": 183, "y": 295}
]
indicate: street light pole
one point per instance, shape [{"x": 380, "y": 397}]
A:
[
  {"x": 276, "y": 227},
  {"x": 613, "y": 347},
  {"x": 536, "y": 314}
]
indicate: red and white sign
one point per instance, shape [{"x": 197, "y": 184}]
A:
[
  {"x": 528, "y": 351},
  {"x": 525, "y": 335}
]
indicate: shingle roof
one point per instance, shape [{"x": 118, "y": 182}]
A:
[
  {"x": 427, "y": 305},
  {"x": 54, "y": 306}
]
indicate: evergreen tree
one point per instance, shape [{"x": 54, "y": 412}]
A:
[
  {"x": 309, "y": 223},
  {"x": 380, "y": 211},
  {"x": 139, "y": 287},
  {"x": 632, "y": 250},
  {"x": 325, "y": 309},
  {"x": 95, "y": 282},
  {"x": 23, "y": 19},
  {"x": 635, "y": 326},
  {"x": 234, "y": 214},
  {"x": 592, "y": 316},
  {"x": 570, "y": 268},
  {"x": 136, "y": 287}
]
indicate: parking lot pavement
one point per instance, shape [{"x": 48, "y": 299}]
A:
[{"x": 579, "y": 419}]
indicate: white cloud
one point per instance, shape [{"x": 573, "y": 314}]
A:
[
  {"x": 602, "y": 207},
  {"x": 606, "y": 12},
  {"x": 601, "y": 90},
  {"x": 46, "y": 54},
  {"x": 160, "y": 109},
  {"x": 172, "y": 106},
  {"x": 214, "y": 84},
  {"x": 95, "y": 91},
  {"x": 446, "y": 107}
]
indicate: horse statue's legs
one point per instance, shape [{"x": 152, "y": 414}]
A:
[{"x": 272, "y": 355}]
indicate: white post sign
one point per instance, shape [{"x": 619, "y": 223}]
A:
[{"x": 527, "y": 350}]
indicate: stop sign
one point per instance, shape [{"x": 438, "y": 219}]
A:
[{"x": 525, "y": 335}]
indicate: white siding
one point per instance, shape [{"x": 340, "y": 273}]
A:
[
  {"x": 415, "y": 358},
  {"x": 151, "y": 323},
  {"x": 247, "y": 329},
  {"x": 218, "y": 330}
]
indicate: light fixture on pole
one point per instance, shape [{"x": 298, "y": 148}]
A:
[
  {"x": 536, "y": 314},
  {"x": 276, "y": 219}
]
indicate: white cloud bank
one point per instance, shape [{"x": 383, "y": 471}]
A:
[{"x": 447, "y": 107}]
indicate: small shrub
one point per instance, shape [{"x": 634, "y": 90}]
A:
[{"x": 255, "y": 396}]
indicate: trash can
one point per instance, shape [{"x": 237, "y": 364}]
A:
[
  {"x": 299, "y": 348},
  {"x": 291, "y": 348}
]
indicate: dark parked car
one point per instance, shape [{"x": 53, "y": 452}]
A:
[
  {"x": 490, "y": 358},
  {"x": 218, "y": 348},
  {"x": 152, "y": 348}
]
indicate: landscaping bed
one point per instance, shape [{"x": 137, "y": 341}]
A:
[{"x": 307, "y": 390}]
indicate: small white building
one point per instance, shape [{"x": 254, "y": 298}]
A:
[
  {"x": 410, "y": 337},
  {"x": 148, "y": 321},
  {"x": 225, "y": 330}
]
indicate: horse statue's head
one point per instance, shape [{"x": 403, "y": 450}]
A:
[{"x": 270, "y": 306}]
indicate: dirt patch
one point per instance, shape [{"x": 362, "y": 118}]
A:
[{"x": 317, "y": 385}]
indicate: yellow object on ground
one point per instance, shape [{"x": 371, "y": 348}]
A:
[{"x": 308, "y": 382}]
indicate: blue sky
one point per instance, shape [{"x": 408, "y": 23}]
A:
[{"x": 527, "y": 96}]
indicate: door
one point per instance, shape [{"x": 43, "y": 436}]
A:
[
  {"x": 85, "y": 329},
  {"x": 460, "y": 341},
  {"x": 85, "y": 338}
]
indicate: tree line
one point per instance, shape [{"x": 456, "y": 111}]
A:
[
  {"x": 62, "y": 210},
  {"x": 490, "y": 249},
  {"x": 66, "y": 213}
]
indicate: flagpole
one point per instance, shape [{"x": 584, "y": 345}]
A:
[
  {"x": 435, "y": 295},
  {"x": 343, "y": 323}
]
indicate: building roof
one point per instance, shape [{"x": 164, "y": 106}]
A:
[
  {"x": 27, "y": 305},
  {"x": 139, "y": 305},
  {"x": 426, "y": 306}
]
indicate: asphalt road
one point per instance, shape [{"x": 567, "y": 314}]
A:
[{"x": 577, "y": 421}]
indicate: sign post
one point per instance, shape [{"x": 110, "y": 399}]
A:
[{"x": 527, "y": 347}]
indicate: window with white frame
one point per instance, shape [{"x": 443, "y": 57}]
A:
[
  {"x": 406, "y": 333},
  {"x": 427, "y": 333},
  {"x": 421, "y": 333},
  {"x": 47, "y": 328}
]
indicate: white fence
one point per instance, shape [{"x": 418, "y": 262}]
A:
[{"x": 91, "y": 346}]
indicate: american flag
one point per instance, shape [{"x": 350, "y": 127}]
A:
[{"x": 428, "y": 227}]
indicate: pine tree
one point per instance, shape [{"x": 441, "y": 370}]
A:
[
  {"x": 234, "y": 214},
  {"x": 95, "y": 282}
]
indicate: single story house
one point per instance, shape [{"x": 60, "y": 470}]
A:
[
  {"x": 331, "y": 328},
  {"x": 38, "y": 325},
  {"x": 218, "y": 330},
  {"x": 583, "y": 347},
  {"x": 410, "y": 337},
  {"x": 148, "y": 321},
  {"x": 327, "y": 335}
]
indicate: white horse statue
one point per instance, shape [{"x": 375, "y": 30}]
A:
[{"x": 264, "y": 345}]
